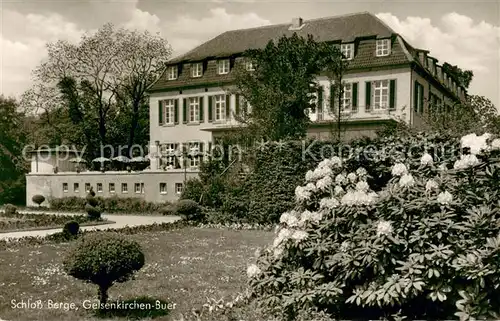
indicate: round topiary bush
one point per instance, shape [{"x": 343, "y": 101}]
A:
[
  {"x": 10, "y": 209},
  {"x": 91, "y": 207},
  {"x": 38, "y": 199},
  {"x": 71, "y": 229},
  {"x": 104, "y": 259},
  {"x": 189, "y": 209},
  {"x": 425, "y": 246}
]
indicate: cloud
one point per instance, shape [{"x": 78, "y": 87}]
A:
[
  {"x": 143, "y": 20},
  {"x": 458, "y": 40}
]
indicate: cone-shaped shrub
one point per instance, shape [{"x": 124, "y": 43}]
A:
[
  {"x": 424, "y": 246},
  {"x": 91, "y": 207}
]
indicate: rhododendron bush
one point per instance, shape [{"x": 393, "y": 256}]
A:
[{"x": 424, "y": 246}]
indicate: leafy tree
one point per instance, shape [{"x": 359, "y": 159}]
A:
[
  {"x": 462, "y": 77},
  {"x": 281, "y": 89},
  {"x": 12, "y": 141}
]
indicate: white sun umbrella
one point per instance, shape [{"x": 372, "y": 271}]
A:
[
  {"x": 77, "y": 160},
  {"x": 121, "y": 158},
  {"x": 100, "y": 160}
]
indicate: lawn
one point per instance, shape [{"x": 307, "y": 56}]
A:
[
  {"x": 183, "y": 267},
  {"x": 29, "y": 222}
]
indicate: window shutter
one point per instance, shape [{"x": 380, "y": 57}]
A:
[
  {"x": 176, "y": 111},
  {"x": 210, "y": 109},
  {"x": 355, "y": 97},
  {"x": 228, "y": 106},
  {"x": 368, "y": 96},
  {"x": 202, "y": 116},
  {"x": 392, "y": 94},
  {"x": 421, "y": 93},
  {"x": 416, "y": 95},
  {"x": 237, "y": 105},
  {"x": 319, "y": 105},
  {"x": 161, "y": 113},
  {"x": 184, "y": 111},
  {"x": 333, "y": 100}
]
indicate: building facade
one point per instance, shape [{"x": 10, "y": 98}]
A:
[{"x": 191, "y": 103}]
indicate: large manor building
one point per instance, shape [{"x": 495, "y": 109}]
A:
[{"x": 191, "y": 103}]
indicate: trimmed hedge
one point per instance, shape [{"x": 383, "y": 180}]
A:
[{"x": 113, "y": 204}]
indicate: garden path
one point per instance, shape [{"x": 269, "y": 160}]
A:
[{"x": 120, "y": 222}]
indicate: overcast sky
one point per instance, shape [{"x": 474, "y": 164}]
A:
[{"x": 464, "y": 33}]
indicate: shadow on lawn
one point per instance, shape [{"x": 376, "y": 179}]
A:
[{"x": 138, "y": 308}]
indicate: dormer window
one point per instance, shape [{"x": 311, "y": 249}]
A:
[
  {"x": 172, "y": 72},
  {"x": 196, "y": 70},
  {"x": 347, "y": 50},
  {"x": 383, "y": 47},
  {"x": 223, "y": 67},
  {"x": 250, "y": 65}
]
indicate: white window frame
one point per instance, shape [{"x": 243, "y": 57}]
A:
[
  {"x": 250, "y": 65},
  {"x": 169, "y": 150},
  {"x": 98, "y": 190},
  {"x": 194, "y": 109},
  {"x": 137, "y": 188},
  {"x": 380, "y": 90},
  {"x": 223, "y": 66},
  {"x": 169, "y": 111},
  {"x": 177, "y": 190},
  {"x": 112, "y": 190},
  {"x": 194, "y": 161},
  {"x": 163, "y": 188},
  {"x": 196, "y": 70},
  {"x": 220, "y": 108},
  {"x": 172, "y": 72},
  {"x": 346, "y": 97},
  {"x": 65, "y": 187},
  {"x": 87, "y": 187},
  {"x": 383, "y": 47},
  {"x": 347, "y": 49},
  {"x": 76, "y": 188},
  {"x": 124, "y": 188}
]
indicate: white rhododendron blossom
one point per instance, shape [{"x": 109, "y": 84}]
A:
[
  {"x": 299, "y": 235},
  {"x": 278, "y": 252},
  {"x": 442, "y": 167},
  {"x": 338, "y": 190},
  {"x": 328, "y": 203},
  {"x": 426, "y": 159},
  {"x": 353, "y": 198},
  {"x": 253, "y": 271},
  {"x": 344, "y": 246},
  {"x": 340, "y": 179},
  {"x": 309, "y": 176},
  {"x": 361, "y": 172},
  {"x": 445, "y": 198},
  {"x": 399, "y": 169},
  {"x": 324, "y": 183},
  {"x": 495, "y": 144},
  {"x": 308, "y": 216},
  {"x": 475, "y": 143},
  {"x": 406, "y": 180},
  {"x": 352, "y": 177},
  {"x": 334, "y": 161},
  {"x": 384, "y": 228},
  {"x": 466, "y": 161},
  {"x": 283, "y": 236},
  {"x": 362, "y": 186},
  {"x": 321, "y": 172},
  {"x": 302, "y": 194},
  {"x": 431, "y": 184},
  {"x": 311, "y": 187}
]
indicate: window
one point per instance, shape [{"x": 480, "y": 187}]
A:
[
  {"x": 178, "y": 188},
  {"x": 346, "y": 97},
  {"x": 65, "y": 187},
  {"x": 111, "y": 187},
  {"x": 99, "y": 187},
  {"x": 124, "y": 188},
  {"x": 383, "y": 47},
  {"x": 250, "y": 65},
  {"x": 172, "y": 73},
  {"x": 167, "y": 159},
  {"x": 142, "y": 188},
  {"x": 196, "y": 70},
  {"x": 418, "y": 98},
  {"x": 223, "y": 67},
  {"x": 137, "y": 188},
  {"x": 220, "y": 107},
  {"x": 194, "y": 109},
  {"x": 169, "y": 111},
  {"x": 194, "y": 149},
  {"x": 76, "y": 187},
  {"x": 380, "y": 94},
  {"x": 347, "y": 50},
  {"x": 87, "y": 187},
  {"x": 163, "y": 188}
]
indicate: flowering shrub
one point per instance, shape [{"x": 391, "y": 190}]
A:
[{"x": 424, "y": 245}]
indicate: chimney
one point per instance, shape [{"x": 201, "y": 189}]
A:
[{"x": 297, "y": 23}]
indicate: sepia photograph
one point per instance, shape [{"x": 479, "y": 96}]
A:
[{"x": 250, "y": 160}]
